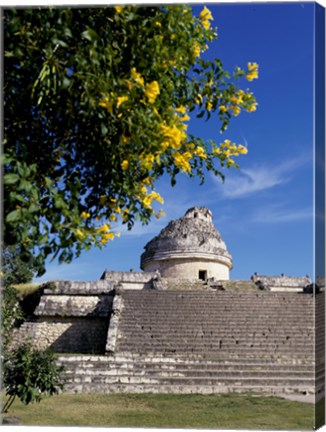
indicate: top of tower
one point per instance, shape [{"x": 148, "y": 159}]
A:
[{"x": 192, "y": 234}]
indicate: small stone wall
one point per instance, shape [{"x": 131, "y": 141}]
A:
[
  {"x": 69, "y": 316},
  {"x": 129, "y": 280},
  {"x": 78, "y": 287},
  {"x": 281, "y": 283},
  {"x": 66, "y": 335}
]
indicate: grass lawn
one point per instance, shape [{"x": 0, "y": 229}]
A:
[{"x": 231, "y": 411}]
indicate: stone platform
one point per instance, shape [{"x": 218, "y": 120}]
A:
[{"x": 207, "y": 342}]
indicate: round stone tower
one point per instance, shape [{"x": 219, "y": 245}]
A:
[{"x": 189, "y": 248}]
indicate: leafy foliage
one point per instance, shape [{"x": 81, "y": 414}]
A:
[
  {"x": 11, "y": 314},
  {"x": 96, "y": 104},
  {"x": 17, "y": 268},
  {"x": 29, "y": 374},
  {"x": 14, "y": 271}
]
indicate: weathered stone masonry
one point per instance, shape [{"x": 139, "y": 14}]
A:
[{"x": 190, "y": 330}]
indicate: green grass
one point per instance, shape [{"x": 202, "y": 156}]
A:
[
  {"x": 26, "y": 289},
  {"x": 229, "y": 411}
]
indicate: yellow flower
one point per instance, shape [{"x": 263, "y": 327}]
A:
[
  {"x": 226, "y": 143},
  {"x": 143, "y": 190},
  {"x": 182, "y": 161},
  {"x": 236, "y": 110},
  {"x": 80, "y": 233},
  {"x": 147, "y": 201},
  {"x": 129, "y": 85},
  {"x": 196, "y": 49},
  {"x": 152, "y": 90},
  {"x": 85, "y": 215},
  {"x": 107, "y": 104},
  {"x": 206, "y": 24},
  {"x": 121, "y": 100},
  {"x": 199, "y": 151},
  {"x": 199, "y": 99},
  {"x": 158, "y": 24},
  {"x": 106, "y": 237},
  {"x": 252, "y": 107},
  {"x": 119, "y": 9},
  {"x": 157, "y": 197},
  {"x": 252, "y": 71},
  {"x": 209, "y": 106},
  {"x": 147, "y": 181},
  {"x": 230, "y": 162},
  {"x": 147, "y": 161},
  {"x": 104, "y": 228},
  {"x": 242, "y": 149},
  {"x": 206, "y": 14},
  {"x": 125, "y": 165},
  {"x": 223, "y": 109},
  {"x": 240, "y": 96},
  {"x": 173, "y": 137},
  {"x": 181, "y": 109},
  {"x": 137, "y": 77}
]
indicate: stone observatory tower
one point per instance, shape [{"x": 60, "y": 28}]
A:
[{"x": 189, "y": 248}]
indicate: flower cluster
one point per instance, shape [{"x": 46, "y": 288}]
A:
[
  {"x": 227, "y": 149},
  {"x": 240, "y": 99},
  {"x": 113, "y": 101},
  {"x": 167, "y": 142},
  {"x": 252, "y": 71},
  {"x": 181, "y": 160},
  {"x": 152, "y": 90},
  {"x": 205, "y": 16}
]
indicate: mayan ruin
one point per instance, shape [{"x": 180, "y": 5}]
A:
[{"x": 182, "y": 325}]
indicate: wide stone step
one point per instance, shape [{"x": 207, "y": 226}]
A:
[
  {"x": 130, "y": 366},
  {"x": 214, "y": 327},
  {"x": 198, "y": 347},
  {"x": 202, "y": 381},
  {"x": 221, "y": 360},
  {"x": 188, "y": 373},
  {"x": 212, "y": 337},
  {"x": 186, "y": 389}
]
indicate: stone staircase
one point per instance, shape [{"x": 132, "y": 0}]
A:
[{"x": 209, "y": 342}]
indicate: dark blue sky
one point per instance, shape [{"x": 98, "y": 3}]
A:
[{"x": 264, "y": 211}]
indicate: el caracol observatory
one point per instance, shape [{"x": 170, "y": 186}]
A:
[
  {"x": 181, "y": 326},
  {"x": 190, "y": 247}
]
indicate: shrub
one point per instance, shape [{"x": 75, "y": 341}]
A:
[{"x": 29, "y": 374}]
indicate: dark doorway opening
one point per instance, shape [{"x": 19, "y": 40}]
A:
[{"x": 202, "y": 275}]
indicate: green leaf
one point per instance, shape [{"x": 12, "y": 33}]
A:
[
  {"x": 33, "y": 208},
  {"x": 90, "y": 35},
  {"x": 14, "y": 216},
  {"x": 10, "y": 179}
]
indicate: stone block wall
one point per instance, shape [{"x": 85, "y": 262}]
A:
[
  {"x": 281, "y": 283},
  {"x": 129, "y": 280},
  {"x": 66, "y": 335},
  {"x": 189, "y": 268},
  {"x": 70, "y": 317}
]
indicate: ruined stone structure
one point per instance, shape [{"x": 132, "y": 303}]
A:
[
  {"x": 144, "y": 332},
  {"x": 190, "y": 248}
]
